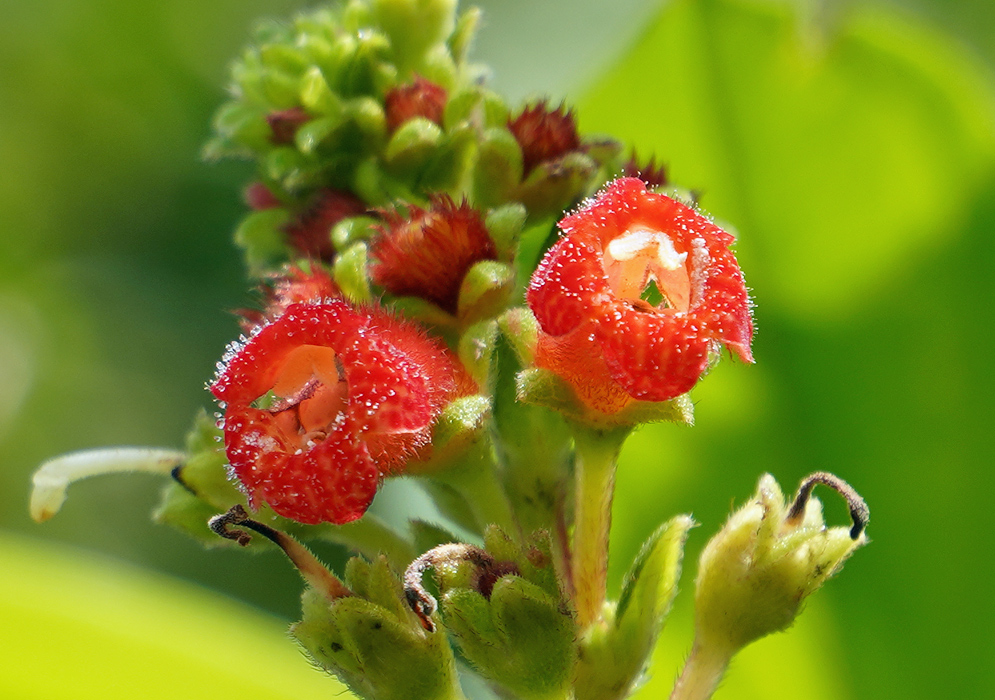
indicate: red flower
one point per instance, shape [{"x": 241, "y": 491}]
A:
[
  {"x": 635, "y": 296},
  {"x": 428, "y": 252},
  {"x": 325, "y": 401},
  {"x": 310, "y": 233},
  {"x": 421, "y": 98},
  {"x": 544, "y": 134}
]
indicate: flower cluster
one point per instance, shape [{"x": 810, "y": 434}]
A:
[{"x": 425, "y": 303}]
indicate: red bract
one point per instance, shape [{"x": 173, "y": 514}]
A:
[
  {"x": 635, "y": 296},
  {"x": 326, "y": 400},
  {"x": 285, "y": 123},
  {"x": 544, "y": 134},
  {"x": 420, "y": 98},
  {"x": 428, "y": 252}
]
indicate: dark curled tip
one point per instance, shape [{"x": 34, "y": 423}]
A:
[
  {"x": 422, "y": 602},
  {"x": 177, "y": 474},
  {"x": 221, "y": 525},
  {"x": 860, "y": 514}
]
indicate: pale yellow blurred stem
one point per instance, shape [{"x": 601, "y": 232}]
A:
[
  {"x": 597, "y": 454},
  {"x": 702, "y": 673}
]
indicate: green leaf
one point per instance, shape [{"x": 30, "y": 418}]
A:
[{"x": 79, "y": 627}]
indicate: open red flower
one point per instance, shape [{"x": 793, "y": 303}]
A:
[
  {"x": 323, "y": 402},
  {"x": 635, "y": 296}
]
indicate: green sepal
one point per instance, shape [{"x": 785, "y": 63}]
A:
[
  {"x": 354, "y": 229},
  {"x": 238, "y": 126},
  {"x": 414, "y": 27},
  {"x": 262, "y": 238},
  {"x": 552, "y": 187},
  {"x": 541, "y": 387},
  {"x": 311, "y": 135},
  {"x": 375, "y": 187},
  {"x": 533, "y": 242},
  {"x": 504, "y": 224},
  {"x": 446, "y": 170},
  {"x": 374, "y": 643},
  {"x": 369, "y": 119},
  {"x": 486, "y": 290},
  {"x": 476, "y": 351},
  {"x": 616, "y": 650},
  {"x": 521, "y": 638},
  {"x": 499, "y": 168},
  {"x": 288, "y": 167},
  {"x": 184, "y": 511},
  {"x": 476, "y": 106},
  {"x": 461, "y": 424},
  {"x": 411, "y": 146},
  {"x": 462, "y": 37},
  {"x": 349, "y": 272},
  {"x": 520, "y": 328}
]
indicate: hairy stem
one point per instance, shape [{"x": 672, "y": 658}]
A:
[
  {"x": 702, "y": 673},
  {"x": 597, "y": 454}
]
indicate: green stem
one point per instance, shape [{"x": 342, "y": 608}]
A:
[
  {"x": 476, "y": 480},
  {"x": 594, "y": 471},
  {"x": 702, "y": 673}
]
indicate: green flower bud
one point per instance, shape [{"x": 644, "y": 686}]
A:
[
  {"x": 477, "y": 106},
  {"x": 414, "y": 27},
  {"x": 354, "y": 229},
  {"x": 552, "y": 187},
  {"x": 770, "y": 556},
  {"x": 476, "y": 350}
]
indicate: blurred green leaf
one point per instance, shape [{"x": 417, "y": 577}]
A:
[{"x": 76, "y": 626}]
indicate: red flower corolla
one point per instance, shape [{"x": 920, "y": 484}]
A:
[
  {"x": 635, "y": 296},
  {"x": 420, "y": 98},
  {"x": 427, "y": 252},
  {"x": 326, "y": 400}
]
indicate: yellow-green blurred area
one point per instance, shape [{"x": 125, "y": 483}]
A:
[{"x": 851, "y": 145}]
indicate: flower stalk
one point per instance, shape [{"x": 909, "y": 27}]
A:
[
  {"x": 702, "y": 672},
  {"x": 594, "y": 473}
]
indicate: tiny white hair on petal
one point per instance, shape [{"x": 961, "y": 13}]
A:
[{"x": 50, "y": 482}]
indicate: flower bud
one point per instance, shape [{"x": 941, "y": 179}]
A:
[{"x": 770, "y": 555}]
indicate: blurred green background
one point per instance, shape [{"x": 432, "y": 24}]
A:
[{"x": 850, "y": 144}]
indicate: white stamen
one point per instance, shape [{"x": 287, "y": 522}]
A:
[{"x": 633, "y": 242}]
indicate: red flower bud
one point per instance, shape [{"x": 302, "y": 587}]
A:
[
  {"x": 292, "y": 286},
  {"x": 605, "y": 330},
  {"x": 310, "y": 233},
  {"x": 428, "y": 252},
  {"x": 544, "y": 134},
  {"x": 649, "y": 172},
  {"x": 259, "y": 197},
  {"x": 421, "y": 98},
  {"x": 285, "y": 123},
  {"x": 326, "y": 400}
]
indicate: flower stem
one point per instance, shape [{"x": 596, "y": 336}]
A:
[
  {"x": 594, "y": 470},
  {"x": 702, "y": 673}
]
